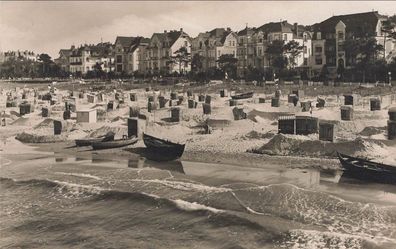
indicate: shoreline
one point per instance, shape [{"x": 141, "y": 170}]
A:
[{"x": 245, "y": 159}]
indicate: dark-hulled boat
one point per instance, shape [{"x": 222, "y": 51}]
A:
[
  {"x": 243, "y": 95},
  {"x": 88, "y": 141},
  {"x": 367, "y": 170},
  {"x": 162, "y": 150},
  {"x": 114, "y": 143}
]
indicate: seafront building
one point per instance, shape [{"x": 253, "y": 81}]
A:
[
  {"x": 172, "y": 51},
  {"x": 212, "y": 44},
  {"x": 253, "y": 44},
  {"x": 85, "y": 58},
  {"x": 27, "y": 55},
  {"x": 130, "y": 55},
  {"x": 169, "y": 52},
  {"x": 330, "y": 35}
]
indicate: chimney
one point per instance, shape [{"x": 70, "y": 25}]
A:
[
  {"x": 181, "y": 29},
  {"x": 165, "y": 31},
  {"x": 296, "y": 28},
  {"x": 228, "y": 29}
]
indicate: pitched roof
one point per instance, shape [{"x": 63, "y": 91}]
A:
[
  {"x": 170, "y": 36},
  {"x": 360, "y": 24},
  {"x": 125, "y": 41},
  {"x": 275, "y": 27},
  {"x": 246, "y": 31}
]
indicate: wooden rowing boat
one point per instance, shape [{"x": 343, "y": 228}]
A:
[
  {"x": 162, "y": 150},
  {"x": 367, "y": 170},
  {"x": 114, "y": 143},
  {"x": 88, "y": 141},
  {"x": 243, "y": 95}
]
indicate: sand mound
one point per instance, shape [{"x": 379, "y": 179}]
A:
[
  {"x": 118, "y": 118},
  {"x": 370, "y": 131},
  {"x": 290, "y": 145},
  {"x": 118, "y": 130},
  {"x": 258, "y": 135},
  {"x": 22, "y": 121},
  {"x": 36, "y": 138},
  {"x": 46, "y": 123}
]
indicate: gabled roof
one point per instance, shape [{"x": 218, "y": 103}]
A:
[
  {"x": 125, "y": 41},
  {"x": 169, "y": 36},
  {"x": 361, "y": 24},
  {"x": 246, "y": 31},
  {"x": 65, "y": 52},
  {"x": 217, "y": 32},
  {"x": 276, "y": 27}
]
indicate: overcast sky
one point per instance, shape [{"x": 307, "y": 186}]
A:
[{"x": 49, "y": 26}]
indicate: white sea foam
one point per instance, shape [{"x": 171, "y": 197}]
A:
[
  {"x": 193, "y": 206},
  {"x": 312, "y": 239},
  {"x": 79, "y": 175},
  {"x": 185, "y": 186},
  {"x": 75, "y": 190}
]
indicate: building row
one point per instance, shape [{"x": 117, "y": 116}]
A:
[
  {"x": 9, "y": 55},
  {"x": 172, "y": 50}
]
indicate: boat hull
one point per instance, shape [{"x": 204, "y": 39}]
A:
[
  {"x": 87, "y": 142},
  {"x": 385, "y": 175},
  {"x": 162, "y": 150},
  {"x": 243, "y": 96},
  {"x": 114, "y": 144}
]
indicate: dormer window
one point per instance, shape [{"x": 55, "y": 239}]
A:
[{"x": 319, "y": 36}]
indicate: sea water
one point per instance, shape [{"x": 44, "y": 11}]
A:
[{"x": 66, "y": 202}]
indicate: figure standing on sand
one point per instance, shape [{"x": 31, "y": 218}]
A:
[{"x": 295, "y": 100}]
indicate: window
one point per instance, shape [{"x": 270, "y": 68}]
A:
[
  {"x": 229, "y": 43},
  {"x": 305, "y": 61},
  {"x": 285, "y": 37},
  {"x": 87, "y": 59},
  {"x": 305, "y": 49},
  {"x": 261, "y": 40},
  {"x": 318, "y": 61},
  {"x": 119, "y": 58},
  {"x": 259, "y": 51},
  {"x": 318, "y": 49},
  {"x": 233, "y": 43},
  {"x": 340, "y": 35},
  {"x": 305, "y": 37},
  {"x": 200, "y": 45},
  {"x": 319, "y": 36},
  {"x": 185, "y": 43}
]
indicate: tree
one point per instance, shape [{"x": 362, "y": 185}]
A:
[
  {"x": 197, "y": 63},
  {"x": 293, "y": 49},
  {"x": 45, "y": 59},
  {"x": 228, "y": 64},
  {"x": 276, "y": 56},
  {"x": 362, "y": 54},
  {"x": 368, "y": 54},
  {"x": 98, "y": 71},
  {"x": 180, "y": 57},
  {"x": 323, "y": 76},
  {"x": 388, "y": 29}
]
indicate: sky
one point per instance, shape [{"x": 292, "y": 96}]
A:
[{"x": 46, "y": 27}]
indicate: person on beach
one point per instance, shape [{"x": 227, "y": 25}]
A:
[{"x": 295, "y": 100}]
